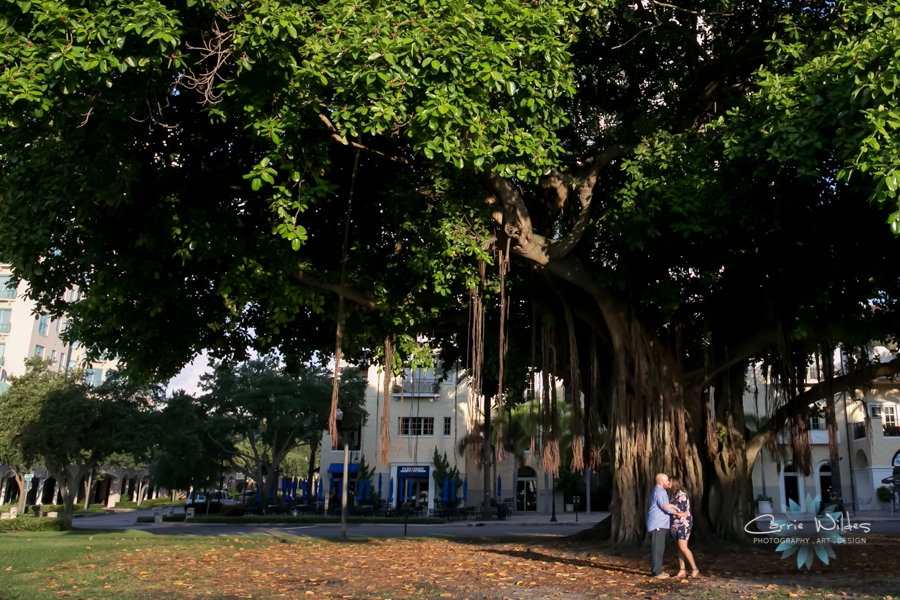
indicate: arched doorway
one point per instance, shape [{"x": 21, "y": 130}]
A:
[
  {"x": 49, "y": 491},
  {"x": 526, "y": 490},
  {"x": 824, "y": 485},
  {"x": 792, "y": 488}
]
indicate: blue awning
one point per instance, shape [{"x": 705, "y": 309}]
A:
[{"x": 338, "y": 468}]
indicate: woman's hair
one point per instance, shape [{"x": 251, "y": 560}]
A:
[{"x": 676, "y": 487}]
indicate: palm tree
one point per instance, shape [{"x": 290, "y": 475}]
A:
[{"x": 521, "y": 421}]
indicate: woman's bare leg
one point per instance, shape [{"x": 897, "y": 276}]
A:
[{"x": 688, "y": 556}]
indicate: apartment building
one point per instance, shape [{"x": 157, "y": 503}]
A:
[
  {"x": 428, "y": 413},
  {"x": 25, "y": 333},
  {"x": 869, "y": 449}
]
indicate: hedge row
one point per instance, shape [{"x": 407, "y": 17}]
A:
[{"x": 33, "y": 524}]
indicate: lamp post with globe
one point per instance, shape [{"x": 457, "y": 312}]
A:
[{"x": 339, "y": 414}]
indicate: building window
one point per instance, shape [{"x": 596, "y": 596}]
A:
[
  {"x": 352, "y": 437},
  {"x": 417, "y": 426},
  {"x": 62, "y": 357},
  {"x": 447, "y": 429},
  {"x": 5, "y": 316},
  {"x": 5, "y": 292},
  {"x": 875, "y": 410},
  {"x": 420, "y": 382},
  {"x": 43, "y": 324},
  {"x": 890, "y": 416},
  {"x": 39, "y": 351},
  {"x": 52, "y": 356},
  {"x": 93, "y": 376},
  {"x": 58, "y": 322},
  {"x": 2, "y": 352}
]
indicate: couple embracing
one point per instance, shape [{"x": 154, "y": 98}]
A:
[{"x": 670, "y": 512}]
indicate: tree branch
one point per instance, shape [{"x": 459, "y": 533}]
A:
[
  {"x": 561, "y": 247},
  {"x": 337, "y": 138},
  {"x": 516, "y": 220},
  {"x": 367, "y": 302},
  {"x": 760, "y": 339},
  {"x": 844, "y": 383},
  {"x": 688, "y": 35}
]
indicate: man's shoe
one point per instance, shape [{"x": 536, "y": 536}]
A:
[{"x": 661, "y": 576}]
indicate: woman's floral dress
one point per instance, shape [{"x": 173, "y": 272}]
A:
[{"x": 681, "y": 526}]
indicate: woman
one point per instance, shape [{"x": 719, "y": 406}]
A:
[{"x": 682, "y": 523}]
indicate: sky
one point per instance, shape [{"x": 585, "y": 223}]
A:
[{"x": 189, "y": 378}]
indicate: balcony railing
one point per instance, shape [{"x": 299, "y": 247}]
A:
[
  {"x": 4, "y": 327},
  {"x": 891, "y": 431},
  {"x": 417, "y": 387},
  {"x": 859, "y": 431}
]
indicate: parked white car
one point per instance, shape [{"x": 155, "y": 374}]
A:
[{"x": 215, "y": 497}]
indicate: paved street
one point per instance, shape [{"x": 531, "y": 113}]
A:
[
  {"x": 878, "y": 523},
  {"x": 517, "y": 525}
]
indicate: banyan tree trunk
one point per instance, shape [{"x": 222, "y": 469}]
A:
[
  {"x": 649, "y": 424},
  {"x": 729, "y": 499}
]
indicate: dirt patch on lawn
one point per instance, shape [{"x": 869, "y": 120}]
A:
[{"x": 403, "y": 568}]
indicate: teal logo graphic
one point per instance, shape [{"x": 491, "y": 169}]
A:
[{"x": 800, "y": 543}]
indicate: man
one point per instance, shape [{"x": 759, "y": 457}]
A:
[{"x": 658, "y": 524}]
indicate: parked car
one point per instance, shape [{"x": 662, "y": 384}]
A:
[{"x": 217, "y": 499}]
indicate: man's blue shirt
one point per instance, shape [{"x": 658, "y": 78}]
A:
[{"x": 657, "y": 517}]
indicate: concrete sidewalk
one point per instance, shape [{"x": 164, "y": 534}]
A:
[{"x": 127, "y": 519}]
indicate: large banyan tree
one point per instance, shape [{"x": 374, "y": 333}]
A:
[{"x": 639, "y": 198}]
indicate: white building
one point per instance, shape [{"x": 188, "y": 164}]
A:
[
  {"x": 868, "y": 450},
  {"x": 25, "y": 333},
  {"x": 427, "y": 413}
]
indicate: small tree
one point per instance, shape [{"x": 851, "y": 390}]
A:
[
  {"x": 258, "y": 412},
  {"x": 184, "y": 457},
  {"x": 72, "y": 428},
  {"x": 11, "y": 456},
  {"x": 442, "y": 470}
]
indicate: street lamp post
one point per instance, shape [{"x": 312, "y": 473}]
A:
[
  {"x": 339, "y": 415},
  {"x": 553, "y": 497}
]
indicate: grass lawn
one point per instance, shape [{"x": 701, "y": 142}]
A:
[
  {"x": 128, "y": 564},
  {"x": 84, "y": 564}
]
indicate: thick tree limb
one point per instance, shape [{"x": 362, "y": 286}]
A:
[
  {"x": 561, "y": 247},
  {"x": 845, "y": 383},
  {"x": 367, "y": 302},
  {"x": 516, "y": 220},
  {"x": 761, "y": 338}
]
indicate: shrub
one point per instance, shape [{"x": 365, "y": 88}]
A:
[
  {"x": 884, "y": 494},
  {"x": 233, "y": 510},
  {"x": 33, "y": 524}
]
